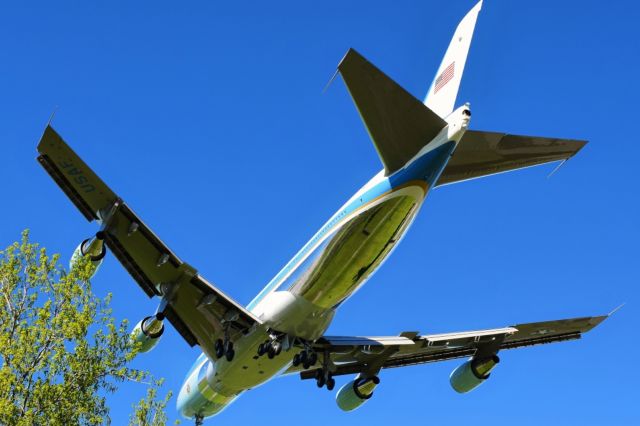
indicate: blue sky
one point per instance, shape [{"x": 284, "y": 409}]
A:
[{"x": 209, "y": 120}]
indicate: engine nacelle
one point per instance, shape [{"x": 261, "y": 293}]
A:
[
  {"x": 147, "y": 333},
  {"x": 356, "y": 392},
  {"x": 472, "y": 373},
  {"x": 92, "y": 247}
]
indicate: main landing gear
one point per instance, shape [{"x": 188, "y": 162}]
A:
[
  {"x": 271, "y": 348},
  {"x": 308, "y": 358},
  {"x": 224, "y": 348},
  {"x": 325, "y": 378}
]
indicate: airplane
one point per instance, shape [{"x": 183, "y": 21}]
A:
[{"x": 422, "y": 146}]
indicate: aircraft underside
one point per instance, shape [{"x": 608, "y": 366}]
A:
[{"x": 422, "y": 145}]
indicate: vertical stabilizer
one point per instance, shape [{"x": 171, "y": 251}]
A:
[{"x": 442, "y": 94}]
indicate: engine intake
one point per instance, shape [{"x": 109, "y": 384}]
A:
[
  {"x": 472, "y": 373},
  {"x": 147, "y": 333},
  {"x": 92, "y": 247},
  {"x": 356, "y": 392}
]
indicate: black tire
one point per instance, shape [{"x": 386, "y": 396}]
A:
[
  {"x": 313, "y": 358},
  {"x": 331, "y": 383},
  {"x": 277, "y": 348},
  {"x": 303, "y": 357},
  {"x": 305, "y": 364},
  {"x": 261, "y": 349},
  {"x": 296, "y": 360},
  {"x": 230, "y": 354},
  {"x": 228, "y": 346},
  {"x": 219, "y": 347},
  {"x": 271, "y": 353},
  {"x": 320, "y": 381}
]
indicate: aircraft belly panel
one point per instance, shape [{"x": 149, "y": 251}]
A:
[{"x": 347, "y": 258}]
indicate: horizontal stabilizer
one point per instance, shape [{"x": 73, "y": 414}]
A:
[
  {"x": 486, "y": 153},
  {"x": 398, "y": 123}
]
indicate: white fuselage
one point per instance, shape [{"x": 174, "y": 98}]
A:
[{"x": 301, "y": 300}]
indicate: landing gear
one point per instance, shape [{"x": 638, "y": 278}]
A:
[
  {"x": 325, "y": 378},
  {"x": 331, "y": 383},
  {"x": 225, "y": 349},
  {"x": 199, "y": 420},
  {"x": 308, "y": 358},
  {"x": 272, "y": 347}
]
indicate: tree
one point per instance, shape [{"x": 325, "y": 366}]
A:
[
  {"x": 61, "y": 350},
  {"x": 150, "y": 411}
]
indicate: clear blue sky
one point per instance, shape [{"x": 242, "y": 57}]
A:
[{"x": 210, "y": 122}]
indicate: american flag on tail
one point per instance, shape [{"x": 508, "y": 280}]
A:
[{"x": 445, "y": 76}]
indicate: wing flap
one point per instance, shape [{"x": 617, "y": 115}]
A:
[
  {"x": 486, "y": 153},
  {"x": 399, "y": 124},
  {"x": 196, "y": 308},
  {"x": 350, "y": 341}
]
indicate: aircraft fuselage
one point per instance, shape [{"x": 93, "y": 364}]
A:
[{"x": 302, "y": 298}]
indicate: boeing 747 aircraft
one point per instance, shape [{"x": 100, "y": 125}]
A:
[{"x": 422, "y": 145}]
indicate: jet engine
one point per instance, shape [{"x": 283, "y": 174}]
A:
[
  {"x": 472, "y": 373},
  {"x": 92, "y": 247},
  {"x": 356, "y": 392},
  {"x": 147, "y": 333}
]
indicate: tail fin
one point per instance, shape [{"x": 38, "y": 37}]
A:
[{"x": 442, "y": 94}]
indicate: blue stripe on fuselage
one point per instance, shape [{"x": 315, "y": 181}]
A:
[{"x": 426, "y": 168}]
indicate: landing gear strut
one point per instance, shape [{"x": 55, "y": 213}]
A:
[{"x": 199, "y": 420}]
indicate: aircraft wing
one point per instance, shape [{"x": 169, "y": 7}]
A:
[
  {"x": 356, "y": 354},
  {"x": 195, "y": 307},
  {"x": 486, "y": 153}
]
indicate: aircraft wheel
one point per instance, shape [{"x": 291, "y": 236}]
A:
[
  {"x": 313, "y": 358},
  {"x": 219, "y": 347},
  {"x": 277, "y": 348},
  {"x": 320, "y": 382},
  {"x": 261, "y": 349},
  {"x": 296, "y": 360},
  {"x": 230, "y": 354},
  {"x": 331, "y": 383}
]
